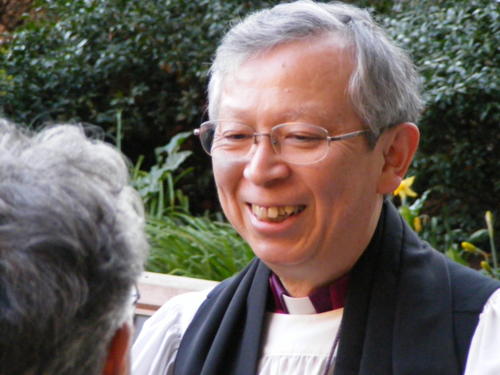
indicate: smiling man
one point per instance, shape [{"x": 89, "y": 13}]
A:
[{"x": 312, "y": 123}]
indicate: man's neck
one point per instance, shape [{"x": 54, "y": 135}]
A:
[{"x": 325, "y": 298}]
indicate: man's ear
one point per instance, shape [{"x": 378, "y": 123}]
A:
[
  {"x": 117, "y": 361},
  {"x": 399, "y": 145}
]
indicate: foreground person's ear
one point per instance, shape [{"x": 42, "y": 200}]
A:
[
  {"x": 399, "y": 145},
  {"x": 117, "y": 361}
]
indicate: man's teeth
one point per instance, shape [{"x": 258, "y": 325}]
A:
[
  {"x": 275, "y": 213},
  {"x": 272, "y": 212}
]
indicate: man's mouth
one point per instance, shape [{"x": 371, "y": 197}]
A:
[{"x": 275, "y": 213}]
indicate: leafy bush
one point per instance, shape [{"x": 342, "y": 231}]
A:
[
  {"x": 455, "y": 45},
  {"x": 88, "y": 60},
  {"x": 157, "y": 187},
  {"x": 185, "y": 245},
  {"x": 458, "y": 245}
]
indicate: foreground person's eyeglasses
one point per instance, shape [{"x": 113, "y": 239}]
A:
[
  {"x": 295, "y": 143},
  {"x": 135, "y": 295}
]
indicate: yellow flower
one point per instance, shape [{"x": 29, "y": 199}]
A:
[
  {"x": 485, "y": 266},
  {"x": 404, "y": 189},
  {"x": 417, "y": 224},
  {"x": 469, "y": 247}
]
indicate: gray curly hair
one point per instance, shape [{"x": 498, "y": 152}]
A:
[
  {"x": 72, "y": 245},
  {"x": 384, "y": 86}
]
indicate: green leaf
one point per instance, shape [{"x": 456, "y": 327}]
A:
[
  {"x": 478, "y": 236},
  {"x": 456, "y": 256}
]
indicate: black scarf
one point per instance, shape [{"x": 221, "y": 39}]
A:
[{"x": 398, "y": 317}]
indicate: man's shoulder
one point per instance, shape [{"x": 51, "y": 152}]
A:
[
  {"x": 229, "y": 285},
  {"x": 470, "y": 289},
  {"x": 176, "y": 313},
  {"x": 155, "y": 348},
  {"x": 225, "y": 284},
  {"x": 183, "y": 306}
]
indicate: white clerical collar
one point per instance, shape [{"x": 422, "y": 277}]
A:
[{"x": 298, "y": 305}]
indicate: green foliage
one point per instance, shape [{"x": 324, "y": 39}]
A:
[
  {"x": 455, "y": 45},
  {"x": 86, "y": 60},
  {"x": 157, "y": 186},
  {"x": 488, "y": 259},
  {"x": 196, "y": 247},
  {"x": 459, "y": 246},
  {"x": 182, "y": 244}
]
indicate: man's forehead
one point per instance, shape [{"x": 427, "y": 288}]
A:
[
  {"x": 334, "y": 52},
  {"x": 231, "y": 109},
  {"x": 297, "y": 73}
]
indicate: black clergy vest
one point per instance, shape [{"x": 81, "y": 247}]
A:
[{"x": 409, "y": 311}]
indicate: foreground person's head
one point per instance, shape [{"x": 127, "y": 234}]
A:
[
  {"x": 308, "y": 195},
  {"x": 71, "y": 249}
]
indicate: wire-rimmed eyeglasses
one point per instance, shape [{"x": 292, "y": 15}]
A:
[
  {"x": 296, "y": 143},
  {"x": 135, "y": 295}
]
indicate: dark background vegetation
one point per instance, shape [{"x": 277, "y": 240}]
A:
[{"x": 145, "y": 61}]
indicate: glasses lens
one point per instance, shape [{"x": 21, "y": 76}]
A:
[
  {"x": 295, "y": 143},
  {"x": 229, "y": 139},
  {"x": 300, "y": 143},
  {"x": 206, "y": 135}
]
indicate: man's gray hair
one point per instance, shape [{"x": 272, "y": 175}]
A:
[
  {"x": 72, "y": 245},
  {"x": 384, "y": 86}
]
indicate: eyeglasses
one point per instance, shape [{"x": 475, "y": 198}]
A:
[
  {"x": 295, "y": 143},
  {"x": 135, "y": 295}
]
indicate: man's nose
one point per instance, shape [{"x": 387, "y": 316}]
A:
[
  {"x": 256, "y": 137},
  {"x": 264, "y": 166}
]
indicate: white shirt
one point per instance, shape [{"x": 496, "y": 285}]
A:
[
  {"x": 155, "y": 349},
  {"x": 484, "y": 352},
  {"x": 305, "y": 349}
]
